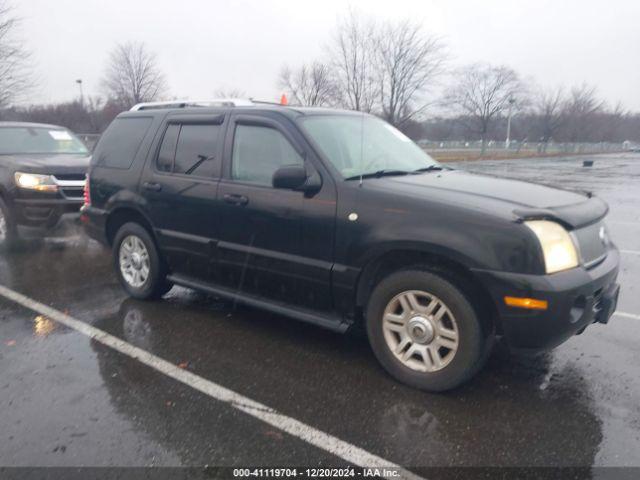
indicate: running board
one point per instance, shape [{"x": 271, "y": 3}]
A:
[{"x": 331, "y": 323}]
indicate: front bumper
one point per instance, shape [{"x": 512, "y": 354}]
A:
[
  {"x": 576, "y": 298},
  {"x": 38, "y": 217}
]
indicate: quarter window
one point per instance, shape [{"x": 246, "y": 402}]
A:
[
  {"x": 258, "y": 152},
  {"x": 119, "y": 145},
  {"x": 190, "y": 149}
]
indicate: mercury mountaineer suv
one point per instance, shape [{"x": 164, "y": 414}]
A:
[
  {"x": 42, "y": 176},
  {"x": 337, "y": 219}
]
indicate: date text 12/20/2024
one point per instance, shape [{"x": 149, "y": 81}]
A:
[{"x": 349, "y": 472}]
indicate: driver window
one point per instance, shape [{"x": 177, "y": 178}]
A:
[{"x": 258, "y": 152}]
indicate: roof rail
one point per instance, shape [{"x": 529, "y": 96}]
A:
[{"x": 216, "y": 102}]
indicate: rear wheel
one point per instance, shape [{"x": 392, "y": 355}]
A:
[
  {"x": 424, "y": 330},
  {"x": 138, "y": 265}
]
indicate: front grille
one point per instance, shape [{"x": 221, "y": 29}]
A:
[
  {"x": 597, "y": 300},
  {"x": 591, "y": 245},
  {"x": 70, "y": 177},
  {"x": 71, "y": 185},
  {"x": 73, "y": 193}
]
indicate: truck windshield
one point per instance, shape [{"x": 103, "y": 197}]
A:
[
  {"x": 363, "y": 145},
  {"x": 39, "y": 140}
]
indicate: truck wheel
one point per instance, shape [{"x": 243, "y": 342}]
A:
[
  {"x": 424, "y": 331},
  {"x": 8, "y": 233},
  {"x": 138, "y": 265}
]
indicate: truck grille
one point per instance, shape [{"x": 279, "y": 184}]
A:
[
  {"x": 71, "y": 185},
  {"x": 70, "y": 177},
  {"x": 592, "y": 243}
]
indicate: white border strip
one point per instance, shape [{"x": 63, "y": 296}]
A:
[
  {"x": 627, "y": 315},
  {"x": 352, "y": 454},
  {"x": 631, "y": 252}
]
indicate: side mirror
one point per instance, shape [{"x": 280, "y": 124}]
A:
[{"x": 290, "y": 177}]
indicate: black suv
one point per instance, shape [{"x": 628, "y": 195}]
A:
[
  {"x": 42, "y": 176},
  {"x": 336, "y": 218}
]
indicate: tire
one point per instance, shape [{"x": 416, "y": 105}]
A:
[
  {"x": 9, "y": 237},
  {"x": 432, "y": 354},
  {"x": 143, "y": 275}
]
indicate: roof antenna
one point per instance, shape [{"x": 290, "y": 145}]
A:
[{"x": 361, "y": 146}]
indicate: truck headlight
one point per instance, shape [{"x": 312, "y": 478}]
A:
[
  {"x": 32, "y": 181},
  {"x": 559, "y": 251}
]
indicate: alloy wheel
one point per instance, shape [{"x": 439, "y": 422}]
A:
[
  {"x": 134, "y": 261},
  {"x": 420, "y": 331}
]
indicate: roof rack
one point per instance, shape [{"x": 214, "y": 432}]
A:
[{"x": 216, "y": 102}]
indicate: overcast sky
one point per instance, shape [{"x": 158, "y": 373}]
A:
[{"x": 204, "y": 45}]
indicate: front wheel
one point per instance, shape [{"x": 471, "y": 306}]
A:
[
  {"x": 424, "y": 331},
  {"x": 138, "y": 265}
]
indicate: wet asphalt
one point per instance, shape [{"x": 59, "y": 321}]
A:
[{"x": 66, "y": 400}]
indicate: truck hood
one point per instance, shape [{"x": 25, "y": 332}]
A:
[
  {"x": 523, "y": 200},
  {"x": 46, "y": 163}
]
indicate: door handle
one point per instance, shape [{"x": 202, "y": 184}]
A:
[
  {"x": 235, "y": 199},
  {"x": 152, "y": 186}
]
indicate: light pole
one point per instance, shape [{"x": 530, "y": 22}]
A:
[
  {"x": 507, "y": 142},
  {"x": 79, "y": 82}
]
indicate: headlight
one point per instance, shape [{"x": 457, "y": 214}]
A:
[
  {"x": 557, "y": 246},
  {"x": 32, "y": 181}
]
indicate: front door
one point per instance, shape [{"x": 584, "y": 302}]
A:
[
  {"x": 180, "y": 186},
  {"x": 274, "y": 243}
]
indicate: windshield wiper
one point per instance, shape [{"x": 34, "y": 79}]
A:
[
  {"x": 378, "y": 174},
  {"x": 431, "y": 168}
]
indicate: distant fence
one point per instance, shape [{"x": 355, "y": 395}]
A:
[{"x": 524, "y": 147}]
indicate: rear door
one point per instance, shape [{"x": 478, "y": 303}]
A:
[
  {"x": 180, "y": 185},
  {"x": 274, "y": 243}
]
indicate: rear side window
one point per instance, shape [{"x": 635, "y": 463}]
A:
[
  {"x": 120, "y": 142},
  {"x": 258, "y": 152},
  {"x": 190, "y": 149}
]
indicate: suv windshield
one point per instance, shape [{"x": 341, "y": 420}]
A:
[
  {"x": 363, "y": 145},
  {"x": 38, "y": 140}
]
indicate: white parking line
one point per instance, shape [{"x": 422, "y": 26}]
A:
[
  {"x": 352, "y": 454},
  {"x": 631, "y": 252},
  {"x": 628, "y": 315}
]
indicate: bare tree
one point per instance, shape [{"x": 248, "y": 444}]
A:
[
  {"x": 230, "y": 92},
  {"x": 133, "y": 75},
  {"x": 14, "y": 59},
  {"x": 310, "y": 85},
  {"x": 582, "y": 109},
  {"x": 610, "y": 122},
  {"x": 353, "y": 55},
  {"x": 409, "y": 63},
  {"x": 481, "y": 92},
  {"x": 549, "y": 108}
]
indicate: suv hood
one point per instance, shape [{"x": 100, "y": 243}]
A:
[
  {"x": 524, "y": 200},
  {"x": 46, "y": 163}
]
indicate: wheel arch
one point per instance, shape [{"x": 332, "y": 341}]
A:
[
  {"x": 451, "y": 269},
  {"x": 124, "y": 214}
]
